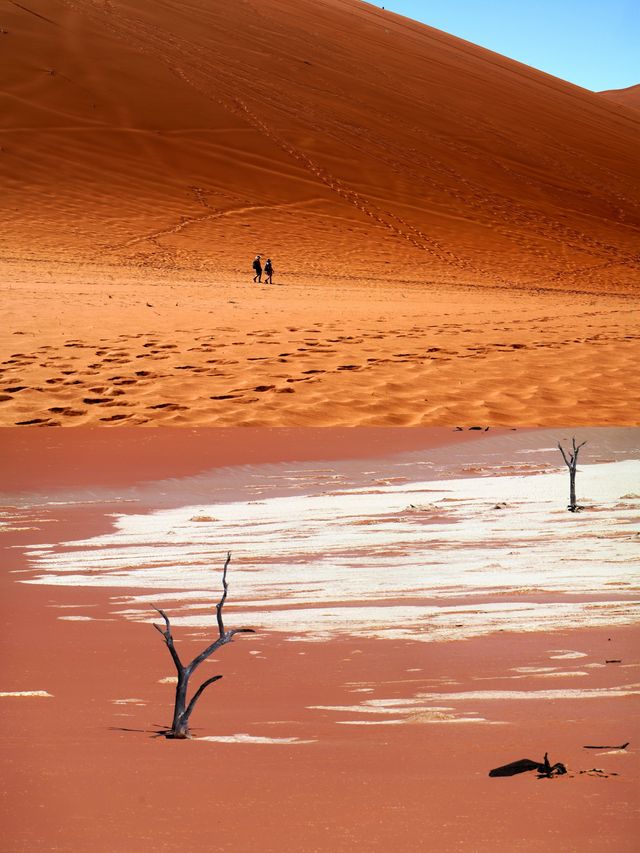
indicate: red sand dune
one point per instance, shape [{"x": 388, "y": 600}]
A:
[
  {"x": 340, "y": 138},
  {"x": 629, "y": 97},
  {"x": 457, "y": 233}
]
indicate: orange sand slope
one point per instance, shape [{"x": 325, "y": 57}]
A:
[
  {"x": 335, "y": 136},
  {"x": 629, "y": 97},
  {"x": 107, "y": 348}
]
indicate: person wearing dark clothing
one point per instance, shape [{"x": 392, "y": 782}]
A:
[
  {"x": 268, "y": 271},
  {"x": 257, "y": 268}
]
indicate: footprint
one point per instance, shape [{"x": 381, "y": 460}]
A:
[
  {"x": 170, "y": 407},
  {"x": 67, "y": 411},
  {"x": 95, "y": 400},
  {"x": 349, "y": 367},
  {"x": 263, "y": 388}
]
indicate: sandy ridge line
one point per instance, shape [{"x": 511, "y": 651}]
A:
[{"x": 155, "y": 46}]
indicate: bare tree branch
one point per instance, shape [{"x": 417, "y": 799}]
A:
[
  {"x": 198, "y": 694},
  {"x": 221, "y": 641},
  {"x": 168, "y": 638},
  {"x": 230, "y": 634},
  {"x": 561, "y": 449},
  {"x": 225, "y": 587},
  {"x": 195, "y": 663}
]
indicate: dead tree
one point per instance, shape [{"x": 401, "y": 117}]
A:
[
  {"x": 571, "y": 461},
  {"x": 182, "y": 711},
  {"x": 545, "y": 769}
]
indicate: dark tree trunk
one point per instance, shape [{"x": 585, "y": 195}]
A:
[
  {"x": 571, "y": 461},
  {"x": 572, "y": 489},
  {"x": 182, "y": 711},
  {"x": 180, "y": 724}
]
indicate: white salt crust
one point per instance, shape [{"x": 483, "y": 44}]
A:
[
  {"x": 378, "y": 562},
  {"x": 26, "y": 693},
  {"x": 242, "y": 738}
]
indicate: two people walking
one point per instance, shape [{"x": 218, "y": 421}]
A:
[{"x": 257, "y": 268}]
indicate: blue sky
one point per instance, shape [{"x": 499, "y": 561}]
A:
[{"x": 593, "y": 43}]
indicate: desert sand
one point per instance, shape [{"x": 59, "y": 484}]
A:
[
  {"x": 333, "y": 136},
  {"x": 629, "y": 97},
  {"x": 455, "y": 242},
  {"x": 454, "y": 234},
  {"x": 321, "y": 736},
  {"x": 184, "y": 351}
]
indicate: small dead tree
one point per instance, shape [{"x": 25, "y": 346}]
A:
[
  {"x": 182, "y": 711},
  {"x": 571, "y": 461}
]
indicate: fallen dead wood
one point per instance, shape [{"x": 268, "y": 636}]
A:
[
  {"x": 544, "y": 768},
  {"x": 598, "y": 772},
  {"x": 622, "y": 746}
]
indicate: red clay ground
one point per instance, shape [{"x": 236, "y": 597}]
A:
[{"x": 77, "y": 780}]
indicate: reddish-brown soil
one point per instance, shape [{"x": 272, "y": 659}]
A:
[
  {"x": 87, "y": 456},
  {"x": 83, "y": 773}
]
